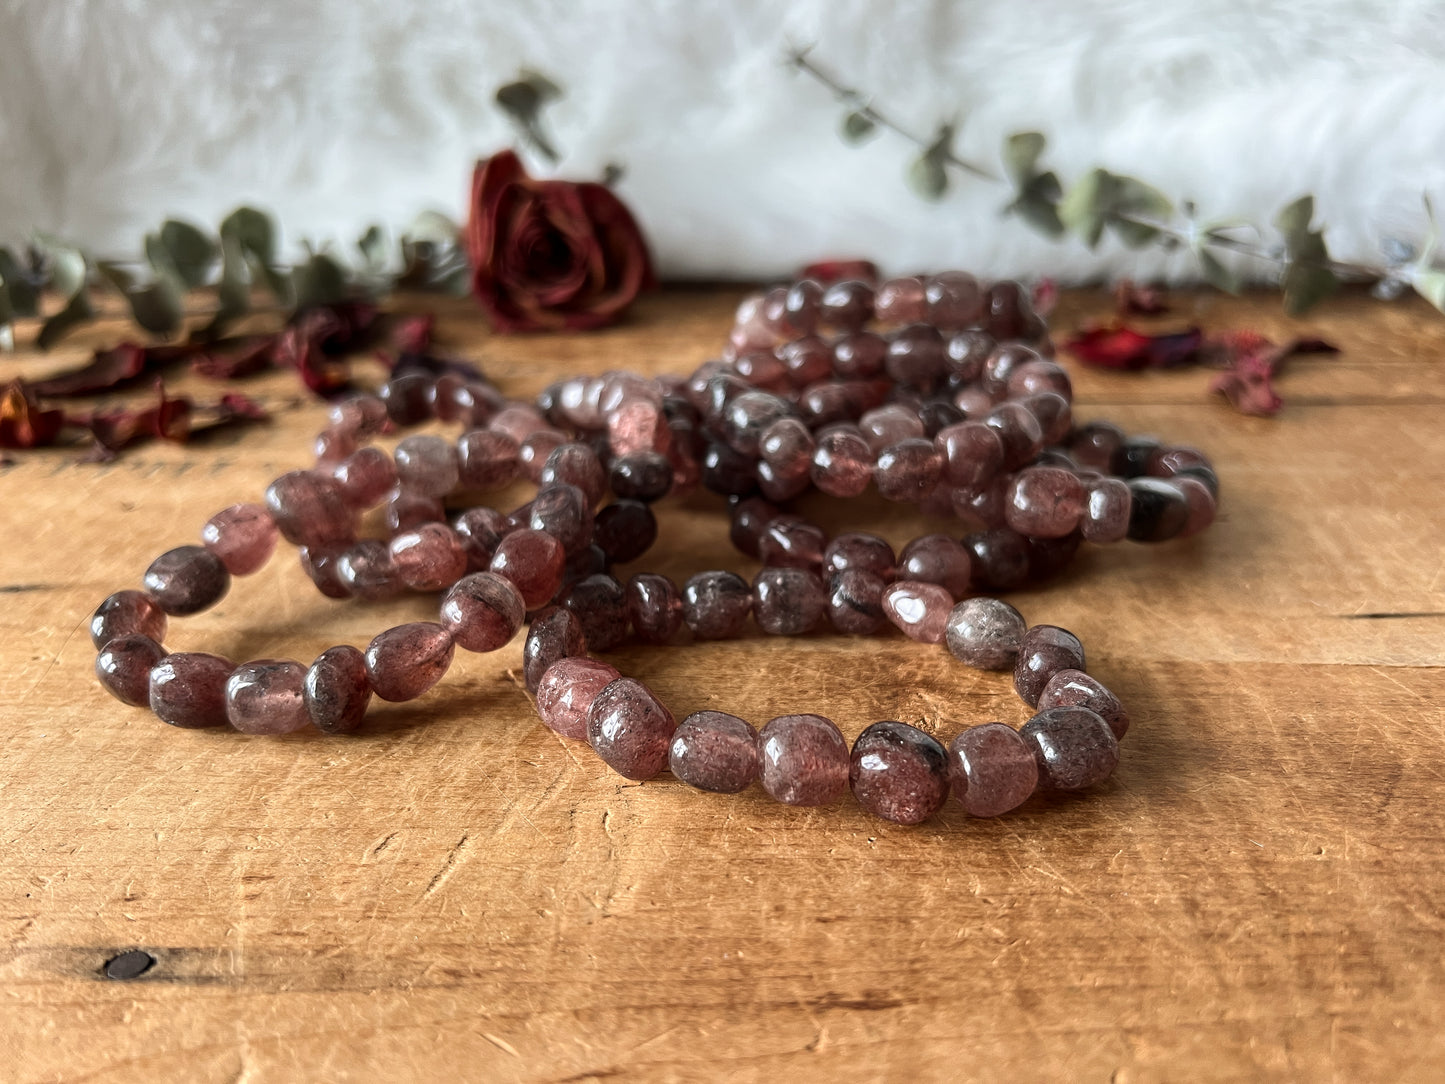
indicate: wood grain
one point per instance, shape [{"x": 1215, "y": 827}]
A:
[{"x": 457, "y": 892}]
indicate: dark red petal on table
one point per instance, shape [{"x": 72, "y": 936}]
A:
[
  {"x": 23, "y": 424},
  {"x": 1131, "y": 299},
  {"x": 1119, "y": 346},
  {"x": 105, "y": 370}
]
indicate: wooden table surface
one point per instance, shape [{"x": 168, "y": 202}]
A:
[{"x": 457, "y": 893}]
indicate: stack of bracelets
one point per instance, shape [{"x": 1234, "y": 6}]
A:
[{"x": 936, "y": 390}]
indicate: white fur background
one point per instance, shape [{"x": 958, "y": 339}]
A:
[{"x": 337, "y": 113}]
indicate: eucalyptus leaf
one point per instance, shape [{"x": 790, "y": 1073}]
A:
[
  {"x": 253, "y": 232},
  {"x": 522, "y": 100},
  {"x": 1216, "y": 273},
  {"x": 1021, "y": 153},
  {"x": 1294, "y": 220},
  {"x": 7, "y": 310},
  {"x": 233, "y": 294},
  {"x": 319, "y": 281},
  {"x": 117, "y": 275},
  {"x": 1132, "y": 196},
  {"x": 1038, "y": 205},
  {"x": 1083, "y": 207},
  {"x": 1430, "y": 285},
  {"x": 858, "y": 126},
  {"x": 1134, "y": 234},
  {"x": 77, "y": 311},
  {"x": 373, "y": 247},
  {"x": 435, "y": 227},
  {"x": 1305, "y": 286},
  {"x": 24, "y": 298},
  {"x": 192, "y": 253},
  {"x": 67, "y": 270},
  {"x": 158, "y": 307},
  {"x": 929, "y": 172}
]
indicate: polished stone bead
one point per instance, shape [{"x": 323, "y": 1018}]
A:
[
  {"x": 802, "y": 307},
  {"x": 186, "y": 580},
  {"x": 265, "y": 697},
  {"x": 625, "y": 530},
  {"x": 1053, "y": 412},
  {"x": 243, "y": 536},
  {"x": 654, "y": 607},
  {"x": 555, "y": 633},
  {"x": 533, "y": 561},
  {"x": 367, "y": 571},
  {"x": 788, "y": 601},
  {"x": 639, "y": 426},
  {"x": 567, "y": 690},
  {"x": 427, "y": 465},
  {"x": 1006, "y": 310},
  {"x": 408, "y": 398},
  {"x": 1073, "y": 746},
  {"x": 124, "y": 667},
  {"x": 847, "y": 305},
  {"x": 787, "y": 446},
  {"x": 898, "y": 772},
  {"x": 991, "y": 769},
  {"x": 535, "y": 448},
  {"x": 323, "y": 567},
  {"x": 936, "y": 558},
  {"x": 1159, "y": 510},
  {"x": 714, "y": 751},
  {"x": 842, "y": 462},
  {"x": 1133, "y": 457},
  {"x": 858, "y": 549},
  {"x": 916, "y": 357},
  {"x": 954, "y": 299},
  {"x": 584, "y": 563},
  {"x": 578, "y": 465},
  {"x": 901, "y": 301},
  {"x": 519, "y": 422},
  {"x": 937, "y": 415},
  {"x": 806, "y": 360},
  {"x": 1095, "y": 444},
  {"x": 561, "y": 509},
  {"x": 716, "y": 604},
  {"x": 999, "y": 557},
  {"x": 762, "y": 369},
  {"x": 365, "y": 477},
  {"x": 999, "y": 365},
  {"x": 600, "y": 603},
  {"x": 1043, "y": 652},
  {"x": 1106, "y": 511},
  {"x": 804, "y": 760},
  {"x": 746, "y": 416},
  {"x": 188, "y": 689},
  {"x": 431, "y": 557},
  {"x": 855, "y": 601},
  {"x": 481, "y": 531},
  {"x": 920, "y": 610},
  {"x": 1022, "y": 436},
  {"x": 778, "y": 485},
  {"x": 127, "y": 613},
  {"x": 985, "y": 633},
  {"x": 972, "y": 453},
  {"x": 859, "y": 355},
  {"x": 792, "y": 542},
  {"x": 1050, "y": 556},
  {"x": 405, "y": 661},
  {"x": 728, "y": 472},
  {"x": 642, "y": 476},
  {"x": 965, "y": 354},
  {"x": 336, "y": 690},
  {"x": 908, "y": 470},
  {"x": 1044, "y": 502},
  {"x": 630, "y": 729},
  {"x": 1036, "y": 376},
  {"x": 1201, "y": 502},
  {"x": 482, "y": 611},
  {"x": 407, "y": 510},
  {"x": 361, "y": 415},
  {"x": 1074, "y": 688},
  {"x": 749, "y": 519},
  {"x": 310, "y": 509},
  {"x": 486, "y": 459}
]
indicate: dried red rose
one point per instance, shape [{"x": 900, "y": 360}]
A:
[
  {"x": 551, "y": 255},
  {"x": 23, "y": 424},
  {"x": 1121, "y": 347}
]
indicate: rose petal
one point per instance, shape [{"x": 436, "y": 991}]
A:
[{"x": 22, "y": 423}]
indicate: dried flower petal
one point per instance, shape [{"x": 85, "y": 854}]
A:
[
  {"x": 22, "y": 423},
  {"x": 1121, "y": 347},
  {"x": 1131, "y": 299}
]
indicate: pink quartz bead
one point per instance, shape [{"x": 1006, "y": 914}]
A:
[
  {"x": 405, "y": 661},
  {"x": 898, "y": 772},
  {"x": 804, "y": 760},
  {"x": 716, "y": 604},
  {"x": 1073, "y": 746},
  {"x": 365, "y": 477},
  {"x": 788, "y": 601},
  {"x": 127, "y": 613},
  {"x": 889, "y": 424},
  {"x": 855, "y": 601},
  {"x": 186, "y": 580},
  {"x": 954, "y": 299},
  {"x": 901, "y": 301},
  {"x": 858, "y": 549},
  {"x": 1201, "y": 502},
  {"x": 332, "y": 446},
  {"x": 788, "y": 446},
  {"x": 311, "y": 510},
  {"x": 367, "y": 571},
  {"x": 1074, "y": 688},
  {"x": 1044, "y": 502},
  {"x": 936, "y": 558},
  {"x": 486, "y": 459},
  {"x": 1107, "y": 504},
  {"x": 534, "y": 450},
  {"x": 991, "y": 770},
  {"x": 982, "y": 506},
  {"x": 188, "y": 689},
  {"x": 715, "y": 751},
  {"x": 965, "y": 353},
  {"x": 985, "y": 633},
  {"x": 361, "y": 415},
  {"x": 242, "y": 536},
  {"x": 124, "y": 667},
  {"x": 1095, "y": 444},
  {"x": 807, "y": 360},
  {"x": 1043, "y": 652},
  {"x": 859, "y": 355},
  {"x": 555, "y": 634},
  {"x": 533, "y": 561},
  {"x": 562, "y": 510},
  {"x": 630, "y": 729},
  {"x": 567, "y": 690},
  {"x": 481, "y": 530},
  {"x": 518, "y": 421},
  {"x": 908, "y": 470},
  {"x": 482, "y": 612},
  {"x": 916, "y": 357},
  {"x": 407, "y": 510},
  {"x": 792, "y": 542},
  {"x": 323, "y": 567},
  {"x": 265, "y": 697},
  {"x": 1053, "y": 413},
  {"x": 920, "y": 610},
  {"x": 427, "y": 465},
  {"x": 600, "y": 603},
  {"x": 578, "y": 465},
  {"x": 638, "y": 426},
  {"x": 1022, "y": 436},
  {"x": 429, "y": 558},
  {"x": 842, "y": 462},
  {"x": 1037, "y": 376},
  {"x": 337, "y": 690},
  {"x": 654, "y": 608}
]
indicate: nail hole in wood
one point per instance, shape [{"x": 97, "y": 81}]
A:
[{"x": 129, "y": 965}]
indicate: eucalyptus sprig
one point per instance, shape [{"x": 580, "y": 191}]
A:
[{"x": 1137, "y": 214}]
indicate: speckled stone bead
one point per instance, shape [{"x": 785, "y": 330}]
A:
[
  {"x": 486, "y": 459},
  {"x": 533, "y": 561},
  {"x": 1108, "y": 502},
  {"x": 408, "y": 398},
  {"x": 972, "y": 453},
  {"x": 1094, "y": 444},
  {"x": 715, "y": 751},
  {"x": 641, "y": 476},
  {"x": 407, "y": 510},
  {"x": 954, "y": 299},
  {"x": 127, "y": 613},
  {"x": 1043, "y": 652},
  {"x": 855, "y": 601},
  {"x": 578, "y": 465},
  {"x": 242, "y": 536},
  {"x": 842, "y": 462},
  {"x": 481, "y": 531},
  {"x": 898, "y": 772},
  {"x": 985, "y": 633},
  {"x": 630, "y": 729},
  {"x": 625, "y": 530},
  {"x": 716, "y": 604},
  {"x": 859, "y": 355},
  {"x": 265, "y": 697},
  {"x": 792, "y": 542},
  {"x": 991, "y": 770},
  {"x": 124, "y": 667},
  {"x": 361, "y": 415},
  {"x": 561, "y": 509},
  {"x": 908, "y": 470},
  {"x": 1159, "y": 512},
  {"x": 555, "y": 634},
  {"x": 788, "y": 601},
  {"x": 1053, "y": 413},
  {"x": 405, "y": 661},
  {"x": 916, "y": 357},
  {"x": 1073, "y": 746},
  {"x": 427, "y": 465},
  {"x": 847, "y": 305},
  {"x": 186, "y": 580},
  {"x": 920, "y": 610},
  {"x": 600, "y": 603},
  {"x": 336, "y": 690},
  {"x": 567, "y": 690},
  {"x": 999, "y": 558},
  {"x": 1074, "y": 688},
  {"x": 482, "y": 611},
  {"x": 654, "y": 607},
  {"x": 1019, "y": 430},
  {"x": 936, "y": 558},
  {"x": 533, "y": 450},
  {"x": 860, "y": 550},
  {"x": 750, "y": 517},
  {"x": 428, "y": 558},
  {"x": 1201, "y": 502},
  {"x": 188, "y": 689},
  {"x": 310, "y": 509},
  {"x": 367, "y": 571},
  {"x": 901, "y": 301},
  {"x": 888, "y": 425},
  {"x": 1044, "y": 502},
  {"x": 804, "y": 760},
  {"x": 322, "y": 566}
]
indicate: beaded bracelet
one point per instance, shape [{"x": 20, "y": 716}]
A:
[{"x": 646, "y": 439}]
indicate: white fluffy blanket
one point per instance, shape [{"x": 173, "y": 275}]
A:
[{"x": 337, "y": 113}]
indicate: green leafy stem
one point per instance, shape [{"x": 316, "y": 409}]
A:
[{"x": 1136, "y": 213}]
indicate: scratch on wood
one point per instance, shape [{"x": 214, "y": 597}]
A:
[
  {"x": 500, "y": 1043},
  {"x": 380, "y": 845},
  {"x": 22, "y": 588},
  {"x": 449, "y": 867}
]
